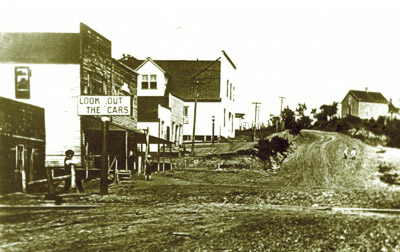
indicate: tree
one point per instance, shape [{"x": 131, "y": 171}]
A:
[
  {"x": 303, "y": 121},
  {"x": 288, "y": 116},
  {"x": 327, "y": 112}
]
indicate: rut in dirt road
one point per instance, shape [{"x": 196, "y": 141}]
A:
[{"x": 318, "y": 161}]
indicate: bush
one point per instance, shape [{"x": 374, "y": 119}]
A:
[{"x": 268, "y": 149}]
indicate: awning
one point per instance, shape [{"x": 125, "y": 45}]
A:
[{"x": 118, "y": 123}]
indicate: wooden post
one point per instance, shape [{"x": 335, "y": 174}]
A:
[
  {"x": 126, "y": 151},
  {"x": 31, "y": 166},
  {"x": 49, "y": 180},
  {"x": 147, "y": 150},
  {"x": 73, "y": 177},
  {"x": 170, "y": 156},
  {"x": 104, "y": 169},
  {"x": 163, "y": 157},
  {"x": 116, "y": 173},
  {"x": 158, "y": 145},
  {"x": 23, "y": 177}
]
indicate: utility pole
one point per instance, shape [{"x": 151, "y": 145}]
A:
[
  {"x": 213, "y": 126},
  {"x": 194, "y": 116},
  {"x": 280, "y": 97},
  {"x": 255, "y": 119},
  {"x": 195, "y": 101},
  {"x": 104, "y": 153}
]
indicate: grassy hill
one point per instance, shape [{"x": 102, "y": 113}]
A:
[{"x": 315, "y": 161}]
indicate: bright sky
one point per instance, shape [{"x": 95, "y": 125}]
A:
[{"x": 310, "y": 52}]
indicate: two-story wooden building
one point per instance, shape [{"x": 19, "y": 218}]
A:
[{"x": 51, "y": 70}]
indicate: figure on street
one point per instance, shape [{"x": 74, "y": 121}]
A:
[
  {"x": 346, "y": 153},
  {"x": 68, "y": 166},
  {"x": 353, "y": 154},
  {"x": 149, "y": 167}
]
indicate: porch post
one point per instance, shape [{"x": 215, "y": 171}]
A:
[{"x": 103, "y": 178}]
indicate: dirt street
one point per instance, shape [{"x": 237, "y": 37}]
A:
[{"x": 230, "y": 209}]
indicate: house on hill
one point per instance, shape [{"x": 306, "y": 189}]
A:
[
  {"x": 365, "y": 104},
  {"x": 212, "y": 80}
]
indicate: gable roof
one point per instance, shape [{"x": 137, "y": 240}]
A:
[
  {"x": 25, "y": 47},
  {"x": 367, "y": 96},
  {"x": 183, "y": 75},
  {"x": 150, "y": 60}
]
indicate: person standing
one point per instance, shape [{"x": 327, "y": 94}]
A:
[
  {"x": 346, "y": 153},
  {"x": 353, "y": 154},
  {"x": 149, "y": 167},
  {"x": 69, "y": 169}
]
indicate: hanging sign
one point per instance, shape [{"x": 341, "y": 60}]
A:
[{"x": 104, "y": 105}]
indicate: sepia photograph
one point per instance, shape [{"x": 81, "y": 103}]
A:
[{"x": 200, "y": 125}]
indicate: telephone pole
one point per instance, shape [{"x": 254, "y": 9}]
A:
[
  {"x": 255, "y": 119},
  {"x": 196, "y": 83},
  {"x": 281, "y": 97}
]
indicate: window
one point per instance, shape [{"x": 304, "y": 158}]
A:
[
  {"x": 145, "y": 81},
  {"x": 186, "y": 114},
  {"x": 227, "y": 88},
  {"x": 224, "y": 117},
  {"x": 230, "y": 96},
  {"x": 153, "y": 81},
  {"x": 96, "y": 84},
  {"x": 149, "y": 84},
  {"x": 22, "y": 83}
]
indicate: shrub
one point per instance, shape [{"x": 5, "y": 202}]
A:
[{"x": 268, "y": 149}]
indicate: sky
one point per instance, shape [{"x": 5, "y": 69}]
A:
[{"x": 310, "y": 52}]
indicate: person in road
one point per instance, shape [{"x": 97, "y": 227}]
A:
[
  {"x": 68, "y": 166},
  {"x": 149, "y": 167},
  {"x": 346, "y": 153},
  {"x": 353, "y": 154}
]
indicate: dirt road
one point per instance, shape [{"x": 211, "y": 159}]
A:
[
  {"x": 203, "y": 209},
  {"x": 318, "y": 162}
]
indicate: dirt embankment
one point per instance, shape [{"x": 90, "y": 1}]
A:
[{"x": 315, "y": 160}]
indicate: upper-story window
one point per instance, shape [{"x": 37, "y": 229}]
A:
[
  {"x": 186, "y": 114},
  {"x": 230, "y": 96},
  {"x": 145, "y": 81},
  {"x": 95, "y": 84},
  {"x": 22, "y": 83},
  {"x": 149, "y": 83},
  {"x": 227, "y": 88},
  {"x": 153, "y": 81}
]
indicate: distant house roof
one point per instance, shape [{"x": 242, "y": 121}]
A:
[
  {"x": 56, "y": 48},
  {"x": 367, "y": 96},
  {"x": 184, "y": 74},
  {"x": 148, "y": 107}
]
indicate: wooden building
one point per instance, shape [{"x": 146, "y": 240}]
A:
[
  {"x": 51, "y": 70},
  {"x": 365, "y": 104},
  {"x": 22, "y": 145}
]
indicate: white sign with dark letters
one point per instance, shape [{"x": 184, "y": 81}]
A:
[{"x": 104, "y": 105}]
